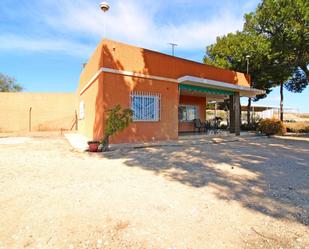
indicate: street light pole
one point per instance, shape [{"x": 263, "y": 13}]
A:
[
  {"x": 247, "y": 59},
  {"x": 104, "y": 6}
]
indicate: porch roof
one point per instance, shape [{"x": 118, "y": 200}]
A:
[
  {"x": 220, "y": 87},
  {"x": 204, "y": 89}
]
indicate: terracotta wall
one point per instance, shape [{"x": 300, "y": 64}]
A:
[
  {"x": 92, "y": 97},
  {"x": 192, "y": 100},
  {"x": 92, "y": 66},
  {"x": 116, "y": 90},
  {"x": 88, "y": 125},
  {"x": 50, "y": 111},
  {"x": 125, "y": 57},
  {"x": 110, "y": 89}
]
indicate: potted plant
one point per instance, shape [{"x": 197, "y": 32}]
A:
[
  {"x": 93, "y": 146},
  {"x": 117, "y": 120}
]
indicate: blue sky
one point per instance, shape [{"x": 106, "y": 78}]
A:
[{"x": 43, "y": 43}]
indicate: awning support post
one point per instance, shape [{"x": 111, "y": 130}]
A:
[{"x": 235, "y": 113}]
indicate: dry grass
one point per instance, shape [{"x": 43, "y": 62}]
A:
[
  {"x": 303, "y": 115},
  {"x": 298, "y": 127}
]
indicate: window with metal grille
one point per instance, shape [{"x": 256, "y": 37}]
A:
[{"x": 145, "y": 106}]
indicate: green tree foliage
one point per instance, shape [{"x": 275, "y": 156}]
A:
[
  {"x": 117, "y": 120},
  {"x": 276, "y": 36},
  {"x": 230, "y": 52},
  {"x": 298, "y": 82},
  {"x": 8, "y": 84},
  {"x": 284, "y": 23}
]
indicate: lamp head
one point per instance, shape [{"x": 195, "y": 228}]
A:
[{"x": 104, "y": 6}]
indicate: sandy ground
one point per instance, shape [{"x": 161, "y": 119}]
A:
[{"x": 248, "y": 194}]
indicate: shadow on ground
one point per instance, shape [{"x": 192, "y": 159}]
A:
[{"x": 268, "y": 175}]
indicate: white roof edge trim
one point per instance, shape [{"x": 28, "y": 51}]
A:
[
  {"x": 210, "y": 83},
  {"x": 125, "y": 73},
  {"x": 135, "y": 74},
  {"x": 215, "y": 83},
  {"x": 89, "y": 83}
]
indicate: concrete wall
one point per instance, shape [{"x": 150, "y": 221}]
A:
[{"x": 50, "y": 111}]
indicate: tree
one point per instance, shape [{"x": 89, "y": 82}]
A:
[
  {"x": 230, "y": 52},
  {"x": 284, "y": 23},
  {"x": 117, "y": 120},
  {"x": 8, "y": 84}
]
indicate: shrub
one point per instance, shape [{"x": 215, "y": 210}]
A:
[
  {"x": 223, "y": 126},
  {"x": 117, "y": 120},
  {"x": 304, "y": 130},
  {"x": 271, "y": 127},
  {"x": 250, "y": 127},
  {"x": 290, "y": 129},
  {"x": 298, "y": 127}
]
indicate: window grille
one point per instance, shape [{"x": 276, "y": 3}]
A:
[{"x": 145, "y": 106}]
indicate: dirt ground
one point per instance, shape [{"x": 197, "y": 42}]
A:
[{"x": 247, "y": 194}]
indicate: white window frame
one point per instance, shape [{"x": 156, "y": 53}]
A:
[
  {"x": 149, "y": 101},
  {"x": 190, "y": 106}
]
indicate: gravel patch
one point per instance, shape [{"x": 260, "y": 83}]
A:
[{"x": 251, "y": 193}]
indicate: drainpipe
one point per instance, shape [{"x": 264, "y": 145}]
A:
[
  {"x": 30, "y": 109},
  {"x": 76, "y": 121}
]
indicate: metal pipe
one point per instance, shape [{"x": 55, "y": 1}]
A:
[
  {"x": 30, "y": 109},
  {"x": 215, "y": 109},
  {"x": 76, "y": 121}
]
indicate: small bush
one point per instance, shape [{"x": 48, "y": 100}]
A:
[
  {"x": 290, "y": 129},
  {"x": 223, "y": 126},
  {"x": 304, "y": 130},
  {"x": 271, "y": 127},
  {"x": 250, "y": 127},
  {"x": 117, "y": 120},
  {"x": 298, "y": 127}
]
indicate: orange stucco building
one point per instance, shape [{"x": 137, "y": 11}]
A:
[{"x": 165, "y": 92}]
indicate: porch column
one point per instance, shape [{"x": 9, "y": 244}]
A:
[{"x": 235, "y": 114}]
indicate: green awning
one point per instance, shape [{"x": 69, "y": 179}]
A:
[{"x": 204, "y": 89}]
